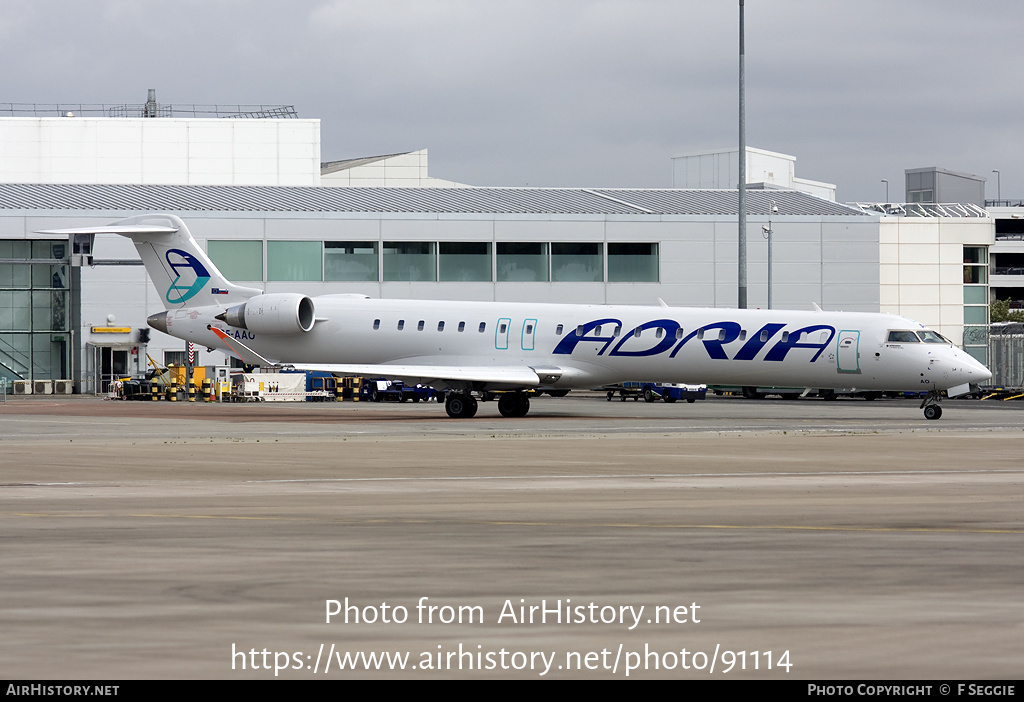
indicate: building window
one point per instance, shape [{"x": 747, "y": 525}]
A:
[
  {"x": 522, "y": 262},
  {"x": 576, "y": 263},
  {"x": 410, "y": 261},
  {"x": 237, "y": 260},
  {"x": 294, "y": 260},
  {"x": 632, "y": 263},
  {"x": 466, "y": 261},
  {"x": 350, "y": 260}
]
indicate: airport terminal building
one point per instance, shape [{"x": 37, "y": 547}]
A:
[{"x": 73, "y": 311}]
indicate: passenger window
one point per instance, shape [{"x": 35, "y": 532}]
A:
[
  {"x": 558, "y": 330},
  {"x": 440, "y": 326},
  {"x": 785, "y": 337},
  {"x": 462, "y": 326},
  {"x": 529, "y": 328},
  {"x": 764, "y": 336},
  {"x": 658, "y": 334},
  {"x": 401, "y": 324},
  {"x": 597, "y": 330},
  {"x": 483, "y": 326},
  {"x": 376, "y": 324},
  {"x": 419, "y": 327},
  {"x": 501, "y": 328},
  {"x": 679, "y": 333},
  {"x": 617, "y": 330}
]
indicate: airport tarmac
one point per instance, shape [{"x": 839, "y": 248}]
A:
[{"x": 590, "y": 539}]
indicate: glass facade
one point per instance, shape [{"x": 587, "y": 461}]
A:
[
  {"x": 35, "y": 310},
  {"x": 632, "y": 263},
  {"x": 522, "y": 262},
  {"x": 467, "y": 262},
  {"x": 428, "y": 261},
  {"x": 237, "y": 260},
  {"x": 351, "y": 260},
  {"x": 294, "y": 260},
  {"x": 976, "y": 297},
  {"x": 577, "y": 262},
  {"x": 410, "y": 261}
]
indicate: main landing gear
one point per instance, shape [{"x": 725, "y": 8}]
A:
[
  {"x": 513, "y": 404},
  {"x": 930, "y": 405},
  {"x": 460, "y": 405}
]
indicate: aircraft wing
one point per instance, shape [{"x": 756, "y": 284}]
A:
[
  {"x": 503, "y": 376},
  {"x": 446, "y": 376}
]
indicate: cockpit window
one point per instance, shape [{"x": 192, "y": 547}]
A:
[
  {"x": 903, "y": 337},
  {"x": 930, "y": 337}
]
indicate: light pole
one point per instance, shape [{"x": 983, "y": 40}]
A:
[
  {"x": 767, "y": 232},
  {"x": 886, "y": 190},
  {"x": 999, "y": 188},
  {"x": 741, "y": 294}
]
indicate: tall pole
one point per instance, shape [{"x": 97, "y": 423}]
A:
[
  {"x": 999, "y": 188},
  {"x": 886, "y": 190},
  {"x": 742, "y": 292}
]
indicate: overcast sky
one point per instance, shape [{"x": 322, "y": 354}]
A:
[{"x": 566, "y": 92}]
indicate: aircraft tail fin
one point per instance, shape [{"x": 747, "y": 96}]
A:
[{"x": 181, "y": 271}]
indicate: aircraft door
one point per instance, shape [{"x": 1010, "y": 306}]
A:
[
  {"x": 529, "y": 329},
  {"x": 848, "y": 356},
  {"x": 501, "y": 333}
]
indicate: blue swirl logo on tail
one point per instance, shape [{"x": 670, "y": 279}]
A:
[{"x": 180, "y": 262}]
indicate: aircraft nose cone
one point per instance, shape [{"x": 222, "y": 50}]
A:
[
  {"x": 158, "y": 321},
  {"x": 980, "y": 373}
]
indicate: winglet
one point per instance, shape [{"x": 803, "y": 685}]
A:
[{"x": 816, "y": 308}]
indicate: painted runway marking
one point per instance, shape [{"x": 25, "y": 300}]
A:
[
  {"x": 978, "y": 471},
  {"x": 550, "y": 524}
]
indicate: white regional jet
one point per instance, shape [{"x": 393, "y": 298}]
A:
[{"x": 468, "y": 348}]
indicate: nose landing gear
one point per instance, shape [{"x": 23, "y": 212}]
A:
[{"x": 930, "y": 405}]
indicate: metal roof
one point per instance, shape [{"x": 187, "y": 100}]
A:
[
  {"x": 563, "y": 201},
  {"x": 924, "y": 209}
]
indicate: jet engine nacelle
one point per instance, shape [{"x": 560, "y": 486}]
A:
[{"x": 279, "y": 313}]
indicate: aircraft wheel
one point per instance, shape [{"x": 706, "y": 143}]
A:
[
  {"x": 460, "y": 406},
  {"x": 932, "y": 412},
  {"x": 513, "y": 405}
]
